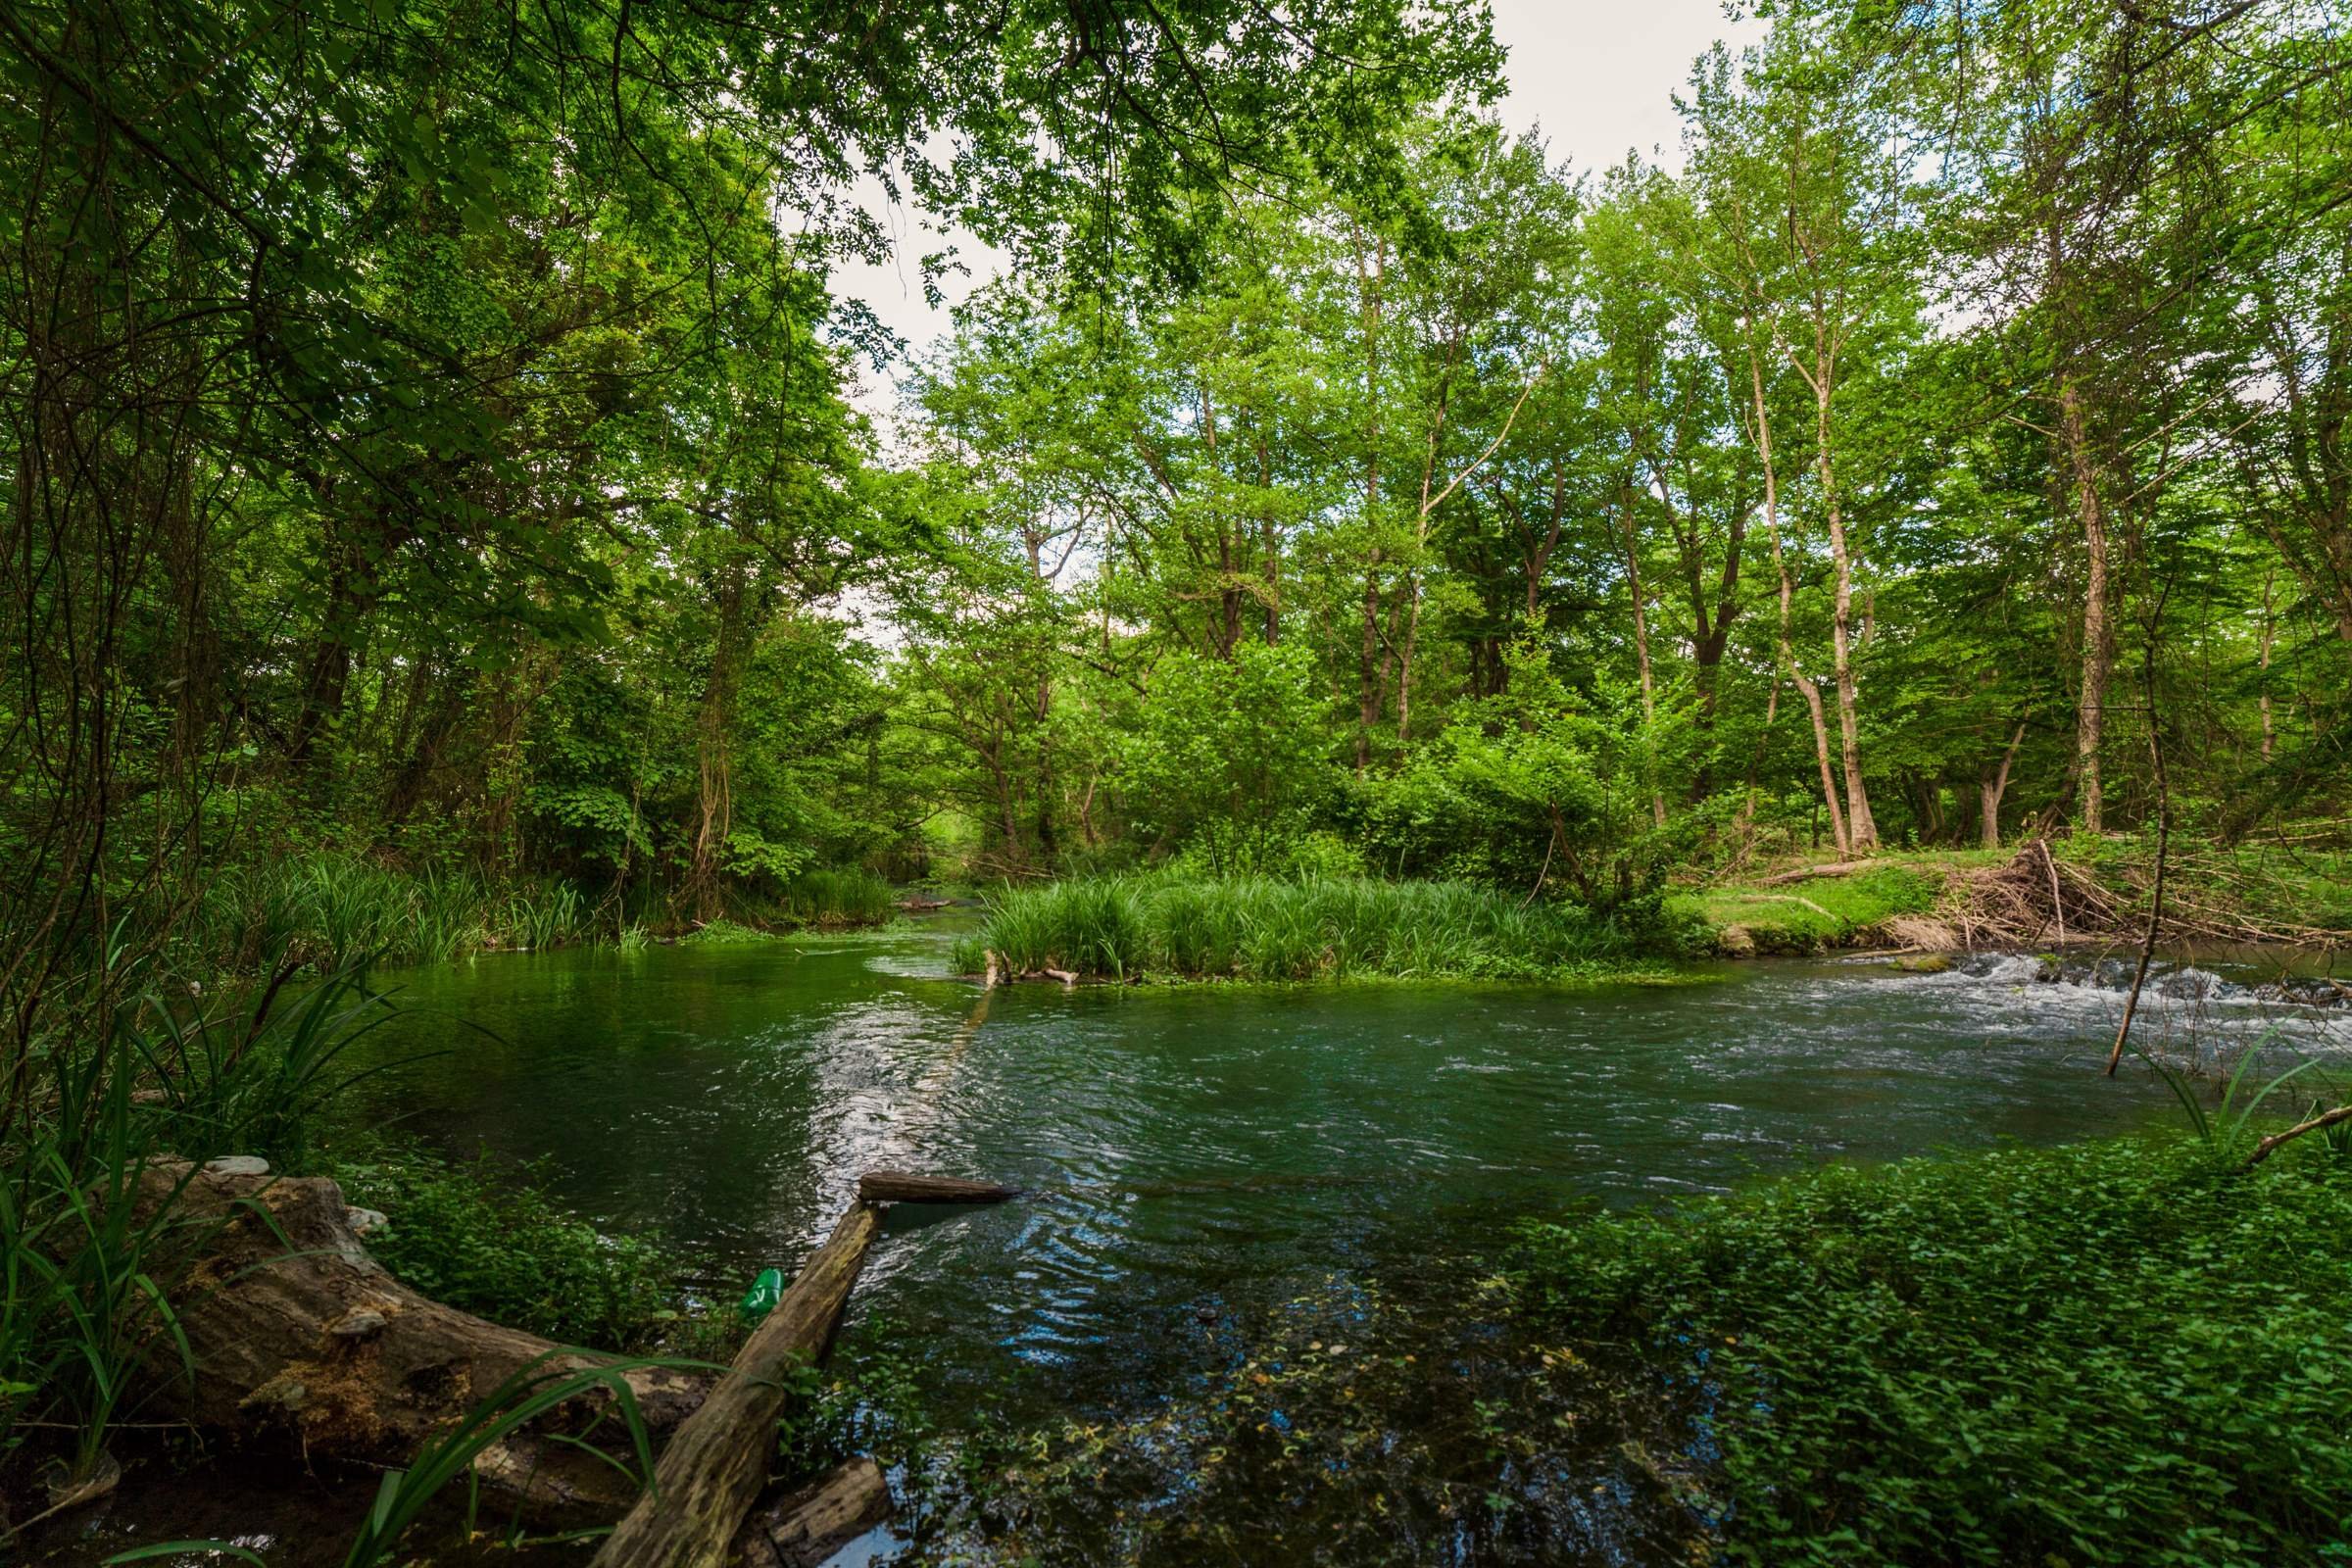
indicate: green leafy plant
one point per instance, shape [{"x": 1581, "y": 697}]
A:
[{"x": 2126, "y": 1352}]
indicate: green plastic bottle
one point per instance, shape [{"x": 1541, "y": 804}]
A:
[{"x": 760, "y": 1300}]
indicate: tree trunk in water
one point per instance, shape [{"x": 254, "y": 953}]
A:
[
  {"x": 2097, "y": 638},
  {"x": 712, "y": 1471}
]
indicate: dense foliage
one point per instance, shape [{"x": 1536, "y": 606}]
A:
[
  {"x": 438, "y": 510},
  {"x": 2126, "y": 1352}
]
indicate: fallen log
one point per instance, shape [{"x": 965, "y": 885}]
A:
[
  {"x": 711, "y": 1475},
  {"x": 1806, "y": 873},
  {"x": 903, "y": 1187},
  {"x": 297, "y": 1336},
  {"x": 805, "y": 1525}
]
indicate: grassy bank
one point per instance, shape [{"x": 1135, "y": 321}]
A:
[
  {"x": 1822, "y": 912},
  {"x": 2251, "y": 891},
  {"x": 1247, "y": 928},
  {"x": 2122, "y": 1353},
  {"x": 320, "y": 909}
]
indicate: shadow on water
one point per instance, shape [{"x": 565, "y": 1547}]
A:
[{"x": 1227, "y": 1183}]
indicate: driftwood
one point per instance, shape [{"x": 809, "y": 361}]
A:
[
  {"x": 804, "y": 1527},
  {"x": 301, "y": 1336},
  {"x": 903, "y": 1187},
  {"x": 2269, "y": 1145},
  {"x": 711, "y": 1475}
]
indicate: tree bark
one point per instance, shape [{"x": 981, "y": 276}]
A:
[
  {"x": 1994, "y": 785},
  {"x": 1650, "y": 701},
  {"x": 298, "y": 1334},
  {"x": 712, "y": 1473},
  {"x": 2099, "y": 650},
  {"x": 902, "y": 1187},
  {"x": 804, "y": 1527},
  {"x": 1863, "y": 831},
  {"x": 1779, "y": 567},
  {"x": 2269, "y": 631}
]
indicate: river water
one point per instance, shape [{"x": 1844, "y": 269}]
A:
[
  {"x": 1199, "y": 1160},
  {"x": 1187, "y": 1149}
]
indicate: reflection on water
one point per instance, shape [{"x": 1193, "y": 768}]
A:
[{"x": 1210, "y": 1145}]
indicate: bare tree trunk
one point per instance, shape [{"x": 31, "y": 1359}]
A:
[
  {"x": 2270, "y": 633},
  {"x": 1779, "y": 567},
  {"x": 1369, "y": 277},
  {"x": 1865, "y": 832},
  {"x": 1994, "y": 785},
  {"x": 714, "y": 791},
  {"x": 1650, "y": 701},
  {"x": 2098, "y": 651},
  {"x": 1746, "y": 826}
]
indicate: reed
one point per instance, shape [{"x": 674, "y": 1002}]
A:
[
  {"x": 86, "y": 1322},
  {"x": 849, "y": 896},
  {"x": 326, "y": 910},
  {"x": 1252, "y": 928}
]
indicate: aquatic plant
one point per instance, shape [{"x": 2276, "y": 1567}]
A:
[
  {"x": 851, "y": 897},
  {"x": 723, "y": 933},
  {"x": 2121, "y": 1352},
  {"x": 326, "y": 910},
  {"x": 1257, "y": 928}
]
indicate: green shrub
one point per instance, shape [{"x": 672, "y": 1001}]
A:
[
  {"x": 2123, "y": 1353},
  {"x": 484, "y": 1238}
]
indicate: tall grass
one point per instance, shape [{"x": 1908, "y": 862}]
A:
[
  {"x": 326, "y": 910},
  {"x": 851, "y": 897},
  {"x": 1254, "y": 928},
  {"x": 90, "y": 1250}
]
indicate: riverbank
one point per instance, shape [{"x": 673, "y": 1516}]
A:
[
  {"x": 318, "y": 910},
  {"x": 2042, "y": 896},
  {"x": 2128, "y": 1351}
]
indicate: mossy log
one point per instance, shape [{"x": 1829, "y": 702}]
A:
[{"x": 299, "y": 1335}]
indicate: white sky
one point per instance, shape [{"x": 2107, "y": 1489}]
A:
[{"x": 1598, "y": 76}]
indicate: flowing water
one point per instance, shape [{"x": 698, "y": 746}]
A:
[
  {"x": 1198, "y": 1157},
  {"x": 1179, "y": 1140}
]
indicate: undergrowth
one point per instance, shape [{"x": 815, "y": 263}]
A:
[
  {"x": 483, "y": 1237},
  {"x": 2128, "y": 1352}
]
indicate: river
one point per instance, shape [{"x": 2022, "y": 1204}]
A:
[{"x": 1198, "y": 1160}]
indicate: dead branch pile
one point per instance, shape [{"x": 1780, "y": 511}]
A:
[{"x": 2033, "y": 899}]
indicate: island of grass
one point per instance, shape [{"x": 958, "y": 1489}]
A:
[{"x": 1168, "y": 927}]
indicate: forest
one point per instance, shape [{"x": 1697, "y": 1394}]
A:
[{"x": 453, "y": 509}]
